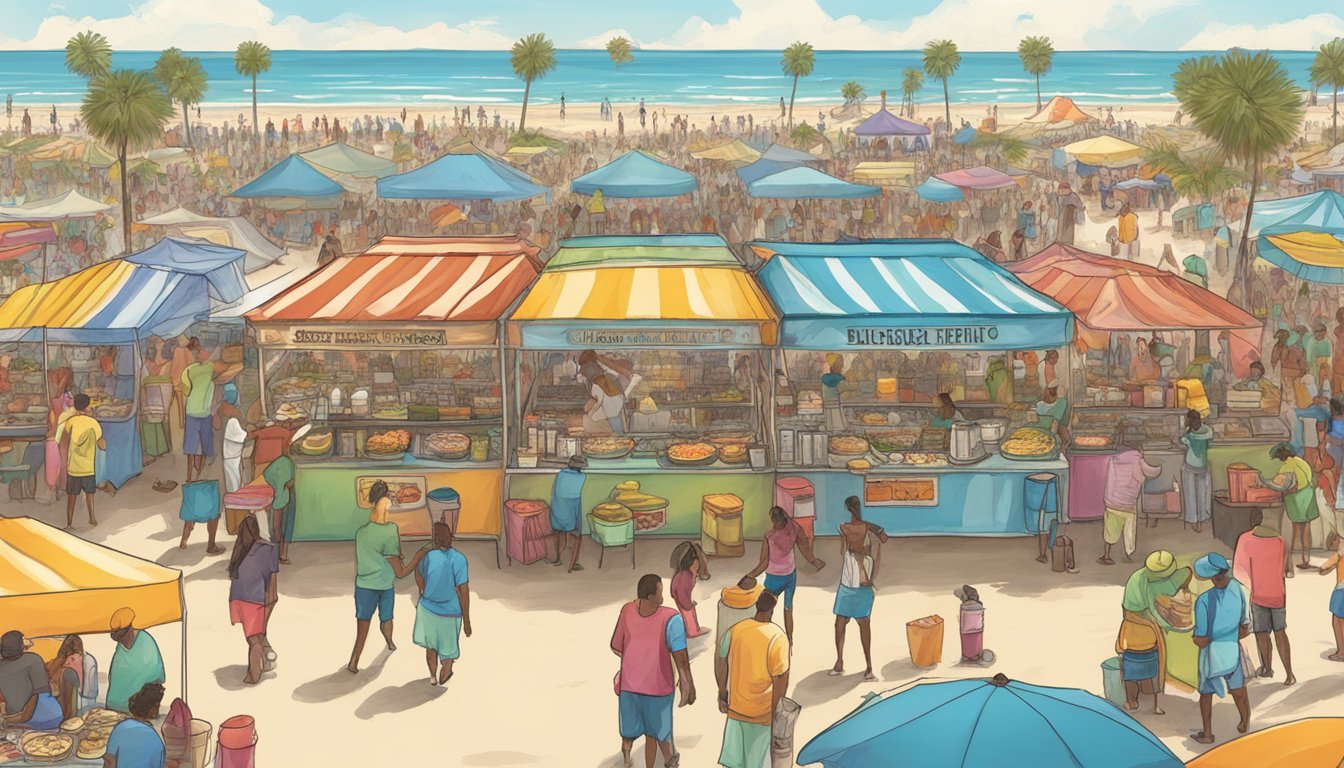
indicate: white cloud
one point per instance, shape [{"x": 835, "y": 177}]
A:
[
  {"x": 212, "y": 26},
  {"x": 600, "y": 41},
  {"x": 1298, "y": 34}
]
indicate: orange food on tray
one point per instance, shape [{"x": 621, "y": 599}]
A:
[
  {"x": 408, "y": 494},
  {"x": 848, "y": 445},
  {"x": 691, "y": 451}
]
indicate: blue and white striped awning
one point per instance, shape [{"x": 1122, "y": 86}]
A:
[{"x": 933, "y": 294}]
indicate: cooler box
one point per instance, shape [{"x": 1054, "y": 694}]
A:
[
  {"x": 527, "y": 523},
  {"x": 1241, "y": 478},
  {"x": 721, "y": 525},
  {"x": 796, "y": 496}
]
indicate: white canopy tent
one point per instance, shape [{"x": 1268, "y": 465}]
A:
[
  {"x": 71, "y": 205},
  {"x": 232, "y": 232}
]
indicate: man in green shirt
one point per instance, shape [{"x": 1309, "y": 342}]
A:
[
  {"x": 198, "y": 386},
  {"x": 1317, "y": 347},
  {"x": 279, "y": 475},
  {"x": 137, "y": 661},
  {"x": 378, "y": 564}
]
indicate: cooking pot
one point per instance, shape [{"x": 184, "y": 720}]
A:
[{"x": 992, "y": 430}]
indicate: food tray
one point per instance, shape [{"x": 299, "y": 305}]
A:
[
  {"x": 26, "y": 739},
  {"x": 704, "y": 462},
  {"x": 375, "y": 456},
  {"x": 394, "y": 487}
]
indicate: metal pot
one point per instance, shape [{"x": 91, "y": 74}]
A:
[{"x": 992, "y": 430}]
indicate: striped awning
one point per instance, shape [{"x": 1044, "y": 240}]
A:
[
  {"x": 693, "y": 298},
  {"x": 410, "y": 279},
  {"x": 55, "y": 583},
  {"x": 904, "y": 294}
]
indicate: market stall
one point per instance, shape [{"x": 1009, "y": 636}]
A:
[
  {"x": 85, "y": 331},
  {"x": 888, "y": 326},
  {"x": 392, "y": 355},
  {"x": 1119, "y": 401},
  {"x": 674, "y": 335}
]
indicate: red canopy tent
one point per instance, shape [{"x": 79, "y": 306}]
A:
[{"x": 1113, "y": 296}]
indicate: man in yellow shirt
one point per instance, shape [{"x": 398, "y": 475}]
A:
[
  {"x": 1128, "y": 232},
  {"x": 752, "y": 669},
  {"x": 82, "y": 437}
]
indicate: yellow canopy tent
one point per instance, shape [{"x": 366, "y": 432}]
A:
[
  {"x": 1313, "y": 741},
  {"x": 735, "y": 153},
  {"x": 55, "y": 583},
  {"x": 1105, "y": 150},
  {"x": 895, "y": 174}
]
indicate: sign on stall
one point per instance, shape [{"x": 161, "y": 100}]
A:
[
  {"x": 374, "y": 337},
  {"x": 954, "y": 336},
  {"x": 659, "y": 337}
]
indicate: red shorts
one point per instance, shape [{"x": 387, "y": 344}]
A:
[{"x": 251, "y": 615}]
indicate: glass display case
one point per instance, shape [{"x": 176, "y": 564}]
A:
[
  {"x": 23, "y": 393},
  {"x": 107, "y": 374}
]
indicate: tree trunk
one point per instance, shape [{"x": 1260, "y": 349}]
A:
[
  {"x": 1244, "y": 249},
  {"x": 125, "y": 202},
  {"x": 947, "y": 105},
  {"x": 186, "y": 126},
  {"x": 256, "y": 129},
  {"x": 1038, "y": 93},
  {"x": 792, "y": 93},
  {"x": 1334, "y": 116},
  {"x": 522, "y": 120}
]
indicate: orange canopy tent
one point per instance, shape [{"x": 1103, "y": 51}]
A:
[
  {"x": 1315, "y": 741},
  {"x": 1059, "y": 111}
]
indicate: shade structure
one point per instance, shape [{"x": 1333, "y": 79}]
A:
[
  {"x": 412, "y": 280},
  {"x": 782, "y": 153},
  {"x": 342, "y": 159},
  {"x": 903, "y": 294},
  {"x": 937, "y": 191},
  {"x": 884, "y": 123},
  {"x": 965, "y": 135},
  {"x": 71, "y": 149},
  {"x": 71, "y": 205},
  {"x": 1323, "y": 210},
  {"x": 1330, "y": 160},
  {"x": 764, "y": 167},
  {"x": 1059, "y": 111},
  {"x": 894, "y": 174},
  {"x": 9, "y": 253},
  {"x": 471, "y": 175},
  {"x": 1315, "y": 254},
  {"x": 293, "y": 183},
  {"x": 980, "y": 177},
  {"x": 221, "y": 266},
  {"x": 635, "y": 174},
  {"x": 16, "y": 233},
  {"x": 1159, "y": 181},
  {"x": 804, "y": 183},
  {"x": 1312, "y": 741},
  {"x": 735, "y": 153},
  {"x": 642, "y": 251},
  {"x": 984, "y": 723},
  {"x": 1105, "y": 150},
  {"x": 55, "y": 583},
  {"x": 524, "y": 154},
  {"x": 231, "y": 231},
  {"x": 1110, "y": 295}
]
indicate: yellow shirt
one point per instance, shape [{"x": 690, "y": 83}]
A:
[
  {"x": 1129, "y": 228},
  {"x": 85, "y": 432},
  {"x": 757, "y": 652}
]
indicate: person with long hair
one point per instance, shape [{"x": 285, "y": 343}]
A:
[
  {"x": 444, "y": 610},
  {"x": 253, "y": 575},
  {"x": 66, "y": 672},
  {"x": 777, "y": 560},
  {"x": 378, "y": 564},
  {"x": 946, "y": 412},
  {"x": 683, "y": 589}
]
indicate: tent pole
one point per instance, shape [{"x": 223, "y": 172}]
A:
[
  {"x": 46, "y": 363},
  {"x": 182, "y": 597}
]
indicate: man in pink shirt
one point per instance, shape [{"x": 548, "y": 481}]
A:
[
  {"x": 648, "y": 639},
  {"x": 1258, "y": 563},
  {"x": 1125, "y": 475}
]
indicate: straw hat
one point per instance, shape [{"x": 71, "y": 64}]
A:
[
  {"x": 123, "y": 618},
  {"x": 1160, "y": 564}
]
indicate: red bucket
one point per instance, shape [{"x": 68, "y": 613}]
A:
[{"x": 238, "y": 732}]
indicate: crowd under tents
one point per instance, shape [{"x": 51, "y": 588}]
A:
[
  {"x": 635, "y": 174},
  {"x": 804, "y": 183},
  {"x": 1303, "y": 235},
  {"x": 883, "y": 124},
  {"x": 736, "y": 153},
  {"x": 230, "y": 231},
  {"x": 468, "y": 175},
  {"x": 292, "y": 184},
  {"x": 935, "y": 190},
  {"x": 1105, "y": 151},
  {"x": 69, "y": 149}
]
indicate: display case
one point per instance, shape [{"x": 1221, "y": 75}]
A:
[
  {"x": 107, "y": 374},
  {"x": 23, "y": 393}
]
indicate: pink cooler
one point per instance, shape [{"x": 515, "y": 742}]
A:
[
  {"x": 527, "y": 523},
  {"x": 797, "y": 497},
  {"x": 972, "y": 631}
]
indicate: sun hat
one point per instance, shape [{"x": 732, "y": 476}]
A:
[
  {"x": 1210, "y": 565},
  {"x": 122, "y": 619},
  {"x": 1160, "y": 564}
]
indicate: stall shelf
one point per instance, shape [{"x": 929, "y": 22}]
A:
[
  {"x": 682, "y": 330},
  {"x": 904, "y": 321},
  {"x": 393, "y": 357}
]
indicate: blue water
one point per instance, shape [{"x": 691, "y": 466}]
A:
[{"x": 441, "y": 78}]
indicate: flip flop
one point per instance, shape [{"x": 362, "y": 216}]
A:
[
  {"x": 576, "y": 567},
  {"x": 835, "y": 673}
]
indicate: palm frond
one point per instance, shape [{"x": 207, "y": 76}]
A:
[
  {"x": 1037, "y": 55},
  {"x": 798, "y": 59},
  {"x": 941, "y": 59},
  {"x": 532, "y": 57},
  {"x": 125, "y": 107},
  {"x": 251, "y": 58},
  {"x": 88, "y": 54}
]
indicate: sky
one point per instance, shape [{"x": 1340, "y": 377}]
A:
[{"x": 685, "y": 24}]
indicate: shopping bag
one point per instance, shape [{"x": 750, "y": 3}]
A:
[
  {"x": 200, "y": 502},
  {"x": 781, "y": 733},
  {"x": 99, "y": 466}
]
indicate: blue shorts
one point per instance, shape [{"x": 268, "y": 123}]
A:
[
  {"x": 198, "y": 436},
  {"x": 785, "y": 585},
  {"x": 1139, "y": 665},
  {"x": 368, "y": 599},
  {"x": 1233, "y": 681},
  {"x": 643, "y": 715},
  {"x": 854, "y": 602},
  {"x": 1337, "y": 602}
]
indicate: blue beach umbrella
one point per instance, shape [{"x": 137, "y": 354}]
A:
[
  {"x": 1308, "y": 252},
  {"x": 965, "y": 135},
  {"x": 987, "y": 723},
  {"x": 938, "y": 191}
]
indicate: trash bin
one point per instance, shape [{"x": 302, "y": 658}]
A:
[
  {"x": 444, "y": 505},
  {"x": 1112, "y": 682},
  {"x": 926, "y": 640}
]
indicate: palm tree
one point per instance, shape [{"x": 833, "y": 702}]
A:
[
  {"x": 249, "y": 60},
  {"x": 1013, "y": 150},
  {"x": 853, "y": 92},
  {"x": 1328, "y": 69},
  {"x": 184, "y": 79},
  {"x": 620, "y": 50},
  {"x": 912, "y": 82},
  {"x": 1249, "y": 108},
  {"x": 941, "y": 60},
  {"x": 1197, "y": 176},
  {"x": 532, "y": 57},
  {"x": 797, "y": 61},
  {"x": 88, "y": 55},
  {"x": 125, "y": 109},
  {"x": 1037, "y": 55}
]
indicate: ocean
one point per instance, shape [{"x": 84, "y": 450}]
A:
[{"x": 442, "y": 78}]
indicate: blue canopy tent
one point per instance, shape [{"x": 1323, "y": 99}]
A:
[
  {"x": 762, "y": 168},
  {"x": 938, "y": 191},
  {"x": 987, "y": 723},
  {"x": 785, "y": 154},
  {"x": 292, "y": 184},
  {"x": 221, "y": 266},
  {"x": 635, "y": 174},
  {"x": 1315, "y": 254},
  {"x": 465, "y": 176},
  {"x": 965, "y": 135},
  {"x": 1323, "y": 209},
  {"x": 803, "y": 183}
]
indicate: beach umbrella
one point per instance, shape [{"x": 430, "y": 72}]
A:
[
  {"x": 936, "y": 191},
  {"x": 1311, "y": 253},
  {"x": 965, "y": 135},
  {"x": 1105, "y": 150},
  {"x": 1313, "y": 741},
  {"x": 987, "y": 723}
]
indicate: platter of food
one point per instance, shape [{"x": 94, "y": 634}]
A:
[
  {"x": 73, "y": 724},
  {"x": 692, "y": 454},
  {"x": 607, "y": 447},
  {"x": 918, "y": 459},
  {"x": 97, "y": 718},
  {"x": 848, "y": 445},
  {"x": 387, "y": 446},
  {"x": 452, "y": 446},
  {"x": 315, "y": 444},
  {"x": 894, "y": 440},
  {"x": 733, "y": 453},
  {"x": 1093, "y": 442},
  {"x": 93, "y": 744},
  {"x": 38, "y": 747},
  {"x": 9, "y": 752},
  {"x": 933, "y": 439},
  {"x": 1029, "y": 443},
  {"x": 407, "y": 493}
]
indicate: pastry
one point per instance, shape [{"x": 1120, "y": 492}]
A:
[
  {"x": 46, "y": 747},
  {"x": 73, "y": 724},
  {"x": 848, "y": 445},
  {"x": 448, "y": 443},
  {"x": 93, "y": 744},
  {"x": 687, "y": 453}
]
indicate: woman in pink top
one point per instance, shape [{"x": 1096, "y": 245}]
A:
[{"x": 781, "y": 574}]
